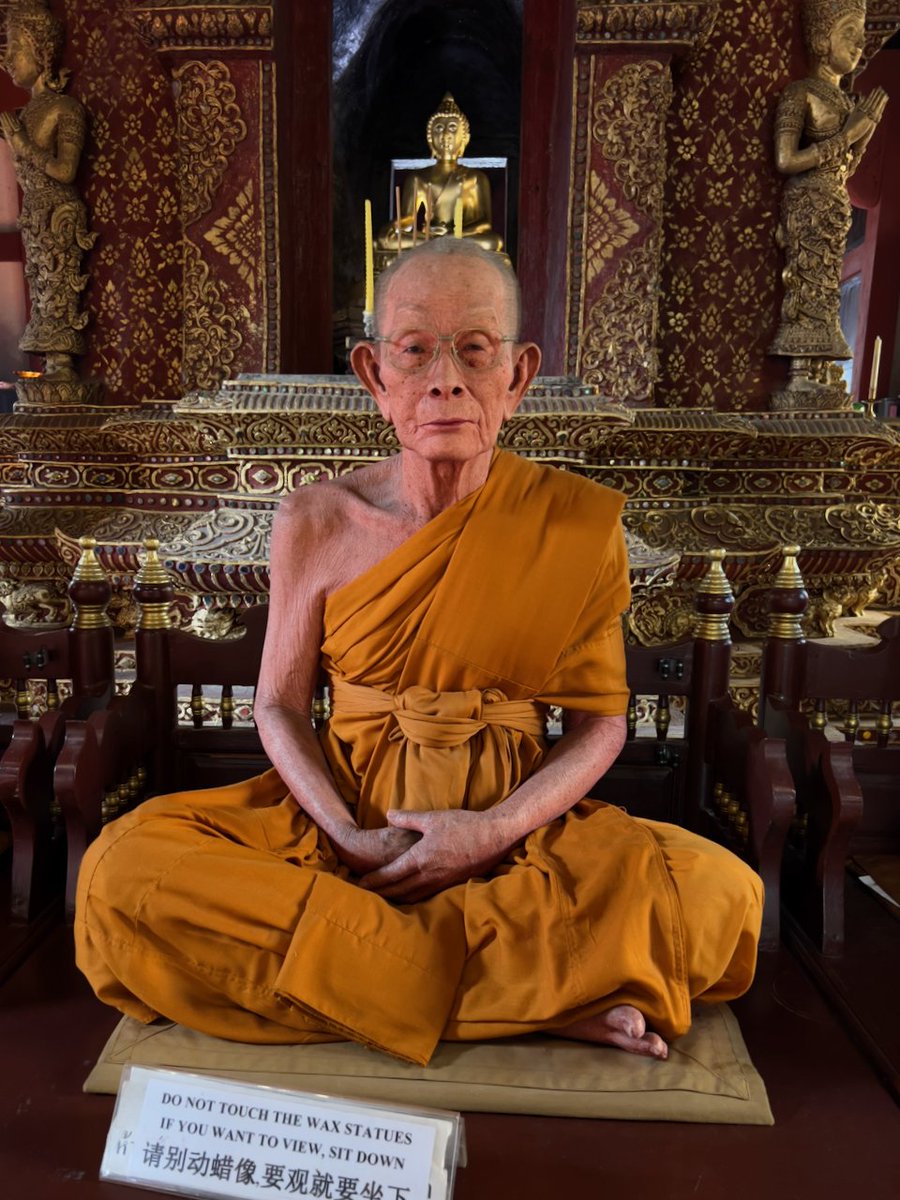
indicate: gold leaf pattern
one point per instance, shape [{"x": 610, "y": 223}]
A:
[
  {"x": 237, "y": 235},
  {"x": 211, "y": 334},
  {"x": 210, "y": 126},
  {"x": 121, "y": 86},
  {"x": 721, "y": 214},
  {"x": 609, "y": 227},
  {"x": 613, "y": 346}
]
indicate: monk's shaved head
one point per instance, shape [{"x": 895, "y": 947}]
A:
[{"x": 451, "y": 248}]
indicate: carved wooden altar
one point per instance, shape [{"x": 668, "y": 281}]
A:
[{"x": 651, "y": 271}]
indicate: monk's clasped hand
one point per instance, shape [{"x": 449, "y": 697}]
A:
[
  {"x": 454, "y": 845},
  {"x": 365, "y": 850}
]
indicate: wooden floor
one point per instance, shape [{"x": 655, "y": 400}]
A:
[{"x": 836, "y": 1132}]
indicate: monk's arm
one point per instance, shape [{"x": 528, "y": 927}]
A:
[
  {"x": 287, "y": 679},
  {"x": 458, "y": 845}
]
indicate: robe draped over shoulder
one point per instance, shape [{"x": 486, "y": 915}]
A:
[
  {"x": 514, "y": 595},
  {"x": 228, "y": 910}
]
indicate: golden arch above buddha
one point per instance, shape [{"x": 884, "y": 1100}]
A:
[{"x": 433, "y": 203}]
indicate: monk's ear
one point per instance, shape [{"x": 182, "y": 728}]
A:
[
  {"x": 526, "y": 364},
  {"x": 367, "y": 369}
]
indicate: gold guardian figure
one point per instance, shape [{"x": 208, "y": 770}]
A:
[
  {"x": 46, "y": 139},
  {"x": 822, "y": 132}
]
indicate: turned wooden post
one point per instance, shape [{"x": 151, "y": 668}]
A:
[
  {"x": 154, "y": 593},
  {"x": 92, "y": 656},
  {"x": 709, "y": 680},
  {"x": 785, "y": 646}
]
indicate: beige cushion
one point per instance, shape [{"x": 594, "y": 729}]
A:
[{"x": 708, "y": 1075}]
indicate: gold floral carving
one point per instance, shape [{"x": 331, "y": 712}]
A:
[
  {"x": 618, "y": 344},
  {"x": 687, "y": 23},
  {"x": 236, "y": 235},
  {"x": 28, "y": 604},
  {"x": 123, "y": 528},
  {"x": 227, "y": 535},
  {"x": 167, "y": 435},
  {"x": 210, "y": 126},
  {"x": 609, "y": 228},
  {"x": 869, "y": 526},
  {"x": 617, "y": 348},
  {"x": 166, "y": 26},
  {"x": 211, "y": 334},
  {"x": 661, "y": 612},
  {"x": 889, "y": 592},
  {"x": 628, "y": 123},
  {"x": 47, "y": 434},
  {"x": 667, "y": 529}
]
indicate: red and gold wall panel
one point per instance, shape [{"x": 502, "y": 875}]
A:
[
  {"x": 615, "y": 235},
  {"x": 130, "y": 185},
  {"x": 721, "y": 287}
]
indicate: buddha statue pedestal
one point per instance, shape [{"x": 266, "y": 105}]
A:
[{"x": 42, "y": 394}]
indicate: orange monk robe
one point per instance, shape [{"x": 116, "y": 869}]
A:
[{"x": 228, "y": 910}]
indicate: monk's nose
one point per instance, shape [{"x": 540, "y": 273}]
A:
[{"x": 446, "y": 376}]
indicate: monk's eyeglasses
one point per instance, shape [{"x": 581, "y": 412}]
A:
[{"x": 418, "y": 349}]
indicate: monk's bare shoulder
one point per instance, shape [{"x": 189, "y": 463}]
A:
[{"x": 333, "y": 530}]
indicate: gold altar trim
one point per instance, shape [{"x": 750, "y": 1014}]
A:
[
  {"x": 204, "y": 26},
  {"x": 882, "y": 22},
  {"x": 631, "y": 23}
]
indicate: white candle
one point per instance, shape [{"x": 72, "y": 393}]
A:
[
  {"x": 876, "y": 370},
  {"x": 370, "y": 262}
]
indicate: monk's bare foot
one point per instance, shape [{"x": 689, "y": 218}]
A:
[{"x": 622, "y": 1026}]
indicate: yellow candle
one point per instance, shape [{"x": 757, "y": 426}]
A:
[
  {"x": 370, "y": 261},
  {"x": 458, "y": 218},
  {"x": 427, "y": 216},
  {"x": 876, "y": 369},
  {"x": 397, "y": 211}
]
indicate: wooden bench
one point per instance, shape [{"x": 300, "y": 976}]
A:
[
  {"x": 848, "y": 791},
  {"x": 140, "y": 745},
  {"x": 82, "y": 654}
]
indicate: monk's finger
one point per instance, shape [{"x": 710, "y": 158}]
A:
[{"x": 401, "y": 868}]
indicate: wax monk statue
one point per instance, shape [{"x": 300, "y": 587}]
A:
[{"x": 425, "y": 868}]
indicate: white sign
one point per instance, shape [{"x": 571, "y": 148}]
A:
[{"x": 202, "y": 1136}]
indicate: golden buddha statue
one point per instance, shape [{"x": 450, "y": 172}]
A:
[
  {"x": 46, "y": 140},
  {"x": 822, "y": 132},
  {"x": 430, "y": 202}
]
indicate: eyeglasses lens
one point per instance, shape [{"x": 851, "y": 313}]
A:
[{"x": 473, "y": 349}]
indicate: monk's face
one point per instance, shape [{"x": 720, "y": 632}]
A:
[{"x": 446, "y": 410}]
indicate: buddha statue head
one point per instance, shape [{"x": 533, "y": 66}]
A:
[
  {"x": 448, "y": 130},
  {"x": 35, "y": 40},
  {"x": 834, "y": 30}
]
